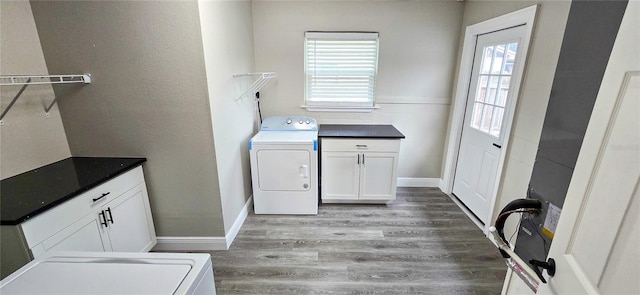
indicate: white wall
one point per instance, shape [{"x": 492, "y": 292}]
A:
[
  {"x": 227, "y": 35},
  {"x": 28, "y": 139},
  {"x": 418, "y": 47}
]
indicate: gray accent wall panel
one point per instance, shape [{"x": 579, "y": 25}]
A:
[{"x": 589, "y": 36}]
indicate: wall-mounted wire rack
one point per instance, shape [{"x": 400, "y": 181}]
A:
[
  {"x": 263, "y": 79},
  {"x": 26, "y": 80}
]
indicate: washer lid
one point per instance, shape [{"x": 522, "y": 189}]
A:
[
  {"x": 100, "y": 276},
  {"x": 285, "y": 137}
]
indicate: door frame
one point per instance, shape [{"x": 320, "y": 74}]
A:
[{"x": 526, "y": 17}]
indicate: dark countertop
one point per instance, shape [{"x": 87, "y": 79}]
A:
[
  {"x": 28, "y": 194},
  {"x": 359, "y": 131}
]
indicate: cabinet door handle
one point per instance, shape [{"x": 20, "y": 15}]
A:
[
  {"x": 362, "y": 159},
  {"x": 358, "y": 159},
  {"x": 100, "y": 197},
  {"x": 104, "y": 219},
  {"x": 110, "y": 216}
]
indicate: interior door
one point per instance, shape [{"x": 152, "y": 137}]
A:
[
  {"x": 488, "y": 104},
  {"x": 597, "y": 243}
]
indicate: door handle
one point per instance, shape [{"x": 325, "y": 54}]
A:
[
  {"x": 304, "y": 171},
  {"x": 497, "y": 145},
  {"x": 362, "y": 159},
  {"x": 104, "y": 219},
  {"x": 110, "y": 216},
  {"x": 358, "y": 159}
]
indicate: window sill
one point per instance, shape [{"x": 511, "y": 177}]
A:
[{"x": 340, "y": 109}]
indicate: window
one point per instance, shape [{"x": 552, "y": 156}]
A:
[
  {"x": 340, "y": 69},
  {"x": 493, "y": 87}
]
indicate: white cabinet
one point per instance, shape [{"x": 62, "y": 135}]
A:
[
  {"x": 359, "y": 170},
  {"x": 114, "y": 216}
]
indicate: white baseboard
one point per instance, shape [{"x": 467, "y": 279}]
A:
[
  {"x": 418, "y": 182},
  {"x": 190, "y": 244},
  {"x": 205, "y": 243},
  {"x": 235, "y": 228}
]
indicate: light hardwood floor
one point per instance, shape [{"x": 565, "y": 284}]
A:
[{"x": 420, "y": 244}]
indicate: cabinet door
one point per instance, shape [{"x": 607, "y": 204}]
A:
[
  {"x": 378, "y": 176},
  {"x": 340, "y": 176},
  {"x": 86, "y": 234},
  {"x": 130, "y": 224}
]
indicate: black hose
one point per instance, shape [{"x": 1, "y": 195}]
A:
[{"x": 518, "y": 204}]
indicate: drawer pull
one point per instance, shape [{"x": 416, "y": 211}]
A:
[
  {"x": 100, "y": 197},
  {"x": 110, "y": 216},
  {"x": 104, "y": 219},
  {"x": 361, "y": 146}
]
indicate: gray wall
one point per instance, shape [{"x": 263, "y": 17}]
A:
[
  {"x": 149, "y": 98},
  {"x": 418, "y": 47},
  {"x": 28, "y": 139}
]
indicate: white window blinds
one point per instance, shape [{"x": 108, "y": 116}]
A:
[{"x": 340, "y": 69}]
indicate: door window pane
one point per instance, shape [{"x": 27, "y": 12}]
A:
[
  {"x": 486, "y": 60},
  {"x": 501, "y": 99},
  {"x": 481, "y": 94},
  {"x": 477, "y": 115},
  {"x": 496, "y": 124},
  {"x": 510, "y": 58},
  {"x": 487, "y": 114}
]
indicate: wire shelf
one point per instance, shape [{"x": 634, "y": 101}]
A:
[{"x": 262, "y": 80}]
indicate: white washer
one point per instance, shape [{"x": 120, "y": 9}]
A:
[
  {"x": 113, "y": 273},
  {"x": 284, "y": 166}
]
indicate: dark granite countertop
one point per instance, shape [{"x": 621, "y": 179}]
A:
[
  {"x": 28, "y": 194},
  {"x": 359, "y": 131}
]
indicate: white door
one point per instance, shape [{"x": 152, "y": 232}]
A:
[
  {"x": 488, "y": 106},
  {"x": 597, "y": 243}
]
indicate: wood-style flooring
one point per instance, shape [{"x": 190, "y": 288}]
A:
[{"x": 422, "y": 243}]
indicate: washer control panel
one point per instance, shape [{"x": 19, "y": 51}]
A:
[{"x": 289, "y": 123}]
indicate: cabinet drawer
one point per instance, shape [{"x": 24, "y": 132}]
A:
[
  {"x": 56, "y": 219},
  {"x": 360, "y": 145}
]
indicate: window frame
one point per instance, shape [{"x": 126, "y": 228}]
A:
[{"x": 338, "y": 105}]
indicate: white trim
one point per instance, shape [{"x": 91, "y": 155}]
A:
[
  {"x": 524, "y": 16},
  {"x": 205, "y": 243},
  {"x": 190, "y": 244},
  {"x": 417, "y": 182},
  {"x": 235, "y": 228},
  {"x": 353, "y": 109},
  {"x": 441, "y": 184},
  {"x": 468, "y": 212}
]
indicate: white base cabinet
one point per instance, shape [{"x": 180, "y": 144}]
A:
[
  {"x": 114, "y": 216},
  {"x": 359, "y": 170}
]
